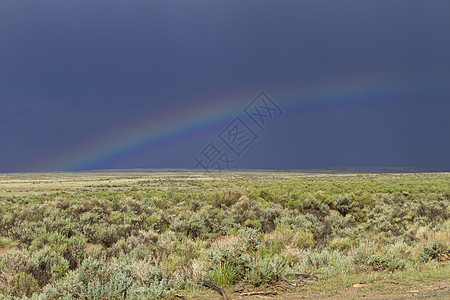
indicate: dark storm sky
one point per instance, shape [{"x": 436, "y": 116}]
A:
[{"x": 72, "y": 72}]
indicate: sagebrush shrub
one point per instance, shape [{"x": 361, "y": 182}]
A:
[
  {"x": 330, "y": 263},
  {"x": 235, "y": 256},
  {"x": 17, "y": 274},
  {"x": 52, "y": 264},
  {"x": 314, "y": 206},
  {"x": 268, "y": 270},
  {"x": 344, "y": 205},
  {"x": 432, "y": 251},
  {"x": 284, "y": 236},
  {"x": 251, "y": 238}
]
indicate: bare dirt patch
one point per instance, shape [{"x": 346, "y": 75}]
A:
[
  {"x": 375, "y": 291},
  {"x": 4, "y": 250}
]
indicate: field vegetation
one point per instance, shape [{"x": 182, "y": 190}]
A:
[{"x": 150, "y": 235}]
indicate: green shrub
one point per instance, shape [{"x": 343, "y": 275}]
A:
[
  {"x": 56, "y": 241},
  {"x": 432, "y": 251},
  {"x": 381, "y": 262},
  {"x": 235, "y": 257},
  {"x": 268, "y": 218},
  {"x": 340, "y": 244},
  {"x": 344, "y": 205},
  {"x": 6, "y": 242},
  {"x": 244, "y": 210},
  {"x": 53, "y": 266},
  {"x": 387, "y": 258},
  {"x": 255, "y": 224},
  {"x": 75, "y": 250},
  {"x": 179, "y": 261},
  {"x": 314, "y": 206},
  {"x": 330, "y": 263},
  {"x": 335, "y": 225},
  {"x": 251, "y": 238},
  {"x": 222, "y": 199},
  {"x": 95, "y": 280},
  {"x": 72, "y": 249},
  {"x": 267, "y": 271},
  {"x": 25, "y": 232},
  {"x": 284, "y": 236},
  {"x": 105, "y": 234},
  {"x": 431, "y": 211},
  {"x": 307, "y": 222},
  {"x": 17, "y": 274}
]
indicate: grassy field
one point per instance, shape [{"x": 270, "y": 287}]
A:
[{"x": 151, "y": 235}]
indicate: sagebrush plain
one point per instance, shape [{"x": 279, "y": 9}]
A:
[{"x": 285, "y": 235}]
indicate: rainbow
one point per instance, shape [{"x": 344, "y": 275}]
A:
[{"x": 108, "y": 148}]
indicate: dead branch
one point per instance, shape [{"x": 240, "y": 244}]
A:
[
  {"x": 259, "y": 293},
  {"x": 215, "y": 287}
]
